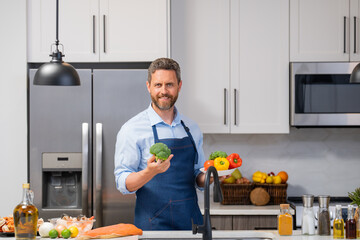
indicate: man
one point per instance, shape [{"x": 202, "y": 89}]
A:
[{"x": 165, "y": 191}]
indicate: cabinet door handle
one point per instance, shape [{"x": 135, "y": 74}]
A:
[
  {"x": 93, "y": 33},
  {"x": 234, "y": 106},
  {"x": 225, "y": 105},
  {"x": 354, "y": 34},
  {"x": 104, "y": 24},
  {"x": 344, "y": 34}
]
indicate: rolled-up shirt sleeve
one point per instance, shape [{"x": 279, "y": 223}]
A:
[
  {"x": 198, "y": 139},
  {"x": 127, "y": 158}
]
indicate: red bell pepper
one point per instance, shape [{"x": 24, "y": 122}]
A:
[{"x": 234, "y": 160}]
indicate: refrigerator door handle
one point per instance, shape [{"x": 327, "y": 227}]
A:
[
  {"x": 85, "y": 168},
  {"x": 98, "y": 175}
]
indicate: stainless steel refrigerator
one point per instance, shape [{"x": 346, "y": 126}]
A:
[{"x": 72, "y": 135}]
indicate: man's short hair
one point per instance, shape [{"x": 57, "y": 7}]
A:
[{"x": 164, "y": 64}]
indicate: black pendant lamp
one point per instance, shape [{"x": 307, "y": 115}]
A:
[
  {"x": 355, "y": 75},
  {"x": 57, "y": 72}
]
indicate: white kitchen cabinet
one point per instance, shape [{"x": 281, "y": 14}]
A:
[
  {"x": 234, "y": 57},
  {"x": 324, "y": 30},
  {"x": 99, "y": 30},
  {"x": 200, "y": 39},
  {"x": 259, "y": 66}
]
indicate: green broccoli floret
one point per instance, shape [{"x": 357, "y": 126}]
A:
[
  {"x": 161, "y": 151},
  {"x": 217, "y": 154}
]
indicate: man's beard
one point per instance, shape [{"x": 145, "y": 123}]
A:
[{"x": 164, "y": 106}]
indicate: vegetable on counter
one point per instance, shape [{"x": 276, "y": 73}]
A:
[
  {"x": 217, "y": 154},
  {"x": 234, "y": 160},
  {"x": 355, "y": 196},
  {"x": 161, "y": 151},
  {"x": 221, "y": 163}
]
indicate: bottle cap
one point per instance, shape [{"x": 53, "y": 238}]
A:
[
  {"x": 338, "y": 206},
  {"x": 26, "y": 185},
  {"x": 284, "y": 206},
  {"x": 308, "y": 200},
  {"x": 324, "y": 201}
]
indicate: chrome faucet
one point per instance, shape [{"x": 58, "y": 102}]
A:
[{"x": 206, "y": 228}]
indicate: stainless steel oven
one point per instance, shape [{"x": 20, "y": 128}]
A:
[{"x": 321, "y": 95}]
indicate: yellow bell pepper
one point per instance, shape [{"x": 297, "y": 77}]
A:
[
  {"x": 221, "y": 163},
  {"x": 259, "y": 177}
]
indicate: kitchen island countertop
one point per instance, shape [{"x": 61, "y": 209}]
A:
[
  {"x": 217, "y": 234},
  {"x": 232, "y": 234}
]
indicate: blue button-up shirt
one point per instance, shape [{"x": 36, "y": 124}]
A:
[{"x": 136, "y": 137}]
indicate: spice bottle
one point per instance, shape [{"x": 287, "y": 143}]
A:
[
  {"x": 357, "y": 220},
  {"x": 26, "y": 215},
  {"x": 350, "y": 224},
  {"x": 308, "y": 218},
  {"x": 285, "y": 221},
  {"x": 324, "y": 215},
  {"x": 338, "y": 226}
]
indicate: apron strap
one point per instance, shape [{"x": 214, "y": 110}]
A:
[
  {"x": 192, "y": 140},
  {"x": 156, "y": 138}
]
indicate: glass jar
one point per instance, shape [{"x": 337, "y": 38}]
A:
[
  {"x": 308, "y": 217},
  {"x": 324, "y": 215},
  {"x": 285, "y": 221}
]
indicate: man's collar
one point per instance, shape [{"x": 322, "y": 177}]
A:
[{"x": 156, "y": 119}]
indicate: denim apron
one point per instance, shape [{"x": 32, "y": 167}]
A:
[{"x": 169, "y": 201}]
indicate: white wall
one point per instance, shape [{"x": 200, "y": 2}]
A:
[
  {"x": 318, "y": 160},
  {"x": 13, "y": 122}
]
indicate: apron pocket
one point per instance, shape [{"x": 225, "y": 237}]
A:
[
  {"x": 182, "y": 211},
  {"x": 160, "y": 220}
]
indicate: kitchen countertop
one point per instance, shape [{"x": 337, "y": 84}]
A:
[
  {"x": 232, "y": 234},
  {"x": 219, "y": 209},
  {"x": 218, "y": 234}
]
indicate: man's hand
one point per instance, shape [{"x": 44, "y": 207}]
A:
[
  {"x": 136, "y": 180},
  {"x": 159, "y": 166},
  {"x": 200, "y": 180}
]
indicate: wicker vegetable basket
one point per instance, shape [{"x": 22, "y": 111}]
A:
[
  {"x": 277, "y": 192},
  {"x": 236, "y": 194}
]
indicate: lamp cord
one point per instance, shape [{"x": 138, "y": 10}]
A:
[{"x": 57, "y": 25}]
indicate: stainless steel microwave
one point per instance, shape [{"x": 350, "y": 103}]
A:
[{"x": 322, "y": 95}]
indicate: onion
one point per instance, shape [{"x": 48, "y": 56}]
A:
[
  {"x": 45, "y": 228},
  {"x": 59, "y": 228}
]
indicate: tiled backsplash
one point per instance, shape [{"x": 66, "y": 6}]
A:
[{"x": 318, "y": 160}]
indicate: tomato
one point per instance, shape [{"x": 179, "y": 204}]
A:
[{"x": 208, "y": 163}]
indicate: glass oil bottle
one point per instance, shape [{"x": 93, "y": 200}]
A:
[
  {"x": 350, "y": 224},
  {"x": 26, "y": 215},
  {"x": 338, "y": 225}
]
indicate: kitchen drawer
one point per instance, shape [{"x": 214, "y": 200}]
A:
[
  {"x": 222, "y": 222},
  {"x": 255, "y": 222}
]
